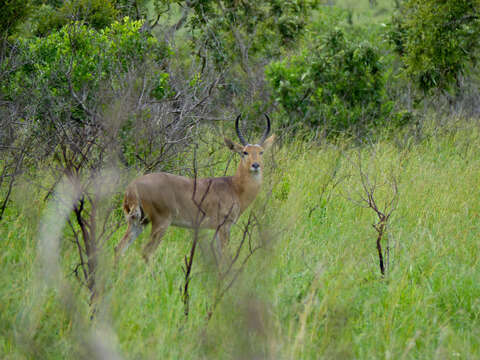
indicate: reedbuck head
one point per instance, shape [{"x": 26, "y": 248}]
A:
[{"x": 251, "y": 154}]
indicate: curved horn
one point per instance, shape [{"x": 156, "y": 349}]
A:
[
  {"x": 267, "y": 130},
  {"x": 239, "y": 133}
]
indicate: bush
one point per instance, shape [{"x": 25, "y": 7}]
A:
[
  {"x": 14, "y": 12},
  {"x": 437, "y": 40},
  {"x": 336, "y": 84},
  {"x": 98, "y": 14},
  {"x": 75, "y": 64}
]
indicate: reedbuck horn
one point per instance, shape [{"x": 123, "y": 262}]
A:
[
  {"x": 267, "y": 130},
  {"x": 239, "y": 133}
]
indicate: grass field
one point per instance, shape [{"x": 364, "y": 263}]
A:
[{"x": 314, "y": 291}]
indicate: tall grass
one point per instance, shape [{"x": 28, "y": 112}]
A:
[{"x": 314, "y": 292}]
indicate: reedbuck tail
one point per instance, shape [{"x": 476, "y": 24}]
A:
[{"x": 132, "y": 206}]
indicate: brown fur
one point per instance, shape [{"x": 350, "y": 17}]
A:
[{"x": 165, "y": 199}]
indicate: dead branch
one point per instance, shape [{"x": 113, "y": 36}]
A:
[
  {"x": 187, "y": 270},
  {"x": 368, "y": 199}
]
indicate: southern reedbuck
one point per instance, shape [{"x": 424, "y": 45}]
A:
[{"x": 210, "y": 203}]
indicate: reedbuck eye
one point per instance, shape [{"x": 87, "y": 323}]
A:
[
  {"x": 261, "y": 152},
  {"x": 245, "y": 153}
]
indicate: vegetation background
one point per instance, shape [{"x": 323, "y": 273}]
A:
[{"x": 376, "y": 107}]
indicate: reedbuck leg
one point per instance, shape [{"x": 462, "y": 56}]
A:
[
  {"x": 159, "y": 226},
  {"x": 134, "y": 229},
  {"x": 222, "y": 237}
]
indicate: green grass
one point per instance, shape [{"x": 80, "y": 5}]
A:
[
  {"x": 362, "y": 13},
  {"x": 314, "y": 292}
]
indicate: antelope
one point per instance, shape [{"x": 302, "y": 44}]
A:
[{"x": 165, "y": 199}]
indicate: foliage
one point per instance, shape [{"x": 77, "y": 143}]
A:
[
  {"x": 75, "y": 63},
  {"x": 141, "y": 9},
  {"x": 14, "y": 13},
  {"x": 265, "y": 27},
  {"x": 336, "y": 84},
  {"x": 226, "y": 28},
  {"x": 235, "y": 39},
  {"x": 66, "y": 82},
  {"x": 437, "y": 40},
  {"x": 239, "y": 38},
  {"x": 51, "y": 16}
]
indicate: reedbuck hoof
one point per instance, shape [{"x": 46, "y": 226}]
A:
[{"x": 146, "y": 258}]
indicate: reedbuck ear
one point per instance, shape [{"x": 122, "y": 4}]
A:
[
  {"x": 233, "y": 146},
  {"x": 268, "y": 142}
]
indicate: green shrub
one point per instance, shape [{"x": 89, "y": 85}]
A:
[
  {"x": 14, "y": 12},
  {"x": 98, "y": 14},
  {"x": 336, "y": 84},
  {"x": 225, "y": 27},
  {"x": 81, "y": 60},
  {"x": 437, "y": 40}
]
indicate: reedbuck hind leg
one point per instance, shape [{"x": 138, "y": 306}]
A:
[
  {"x": 159, "y": 226},
  {"x": 134, "y": 229}
]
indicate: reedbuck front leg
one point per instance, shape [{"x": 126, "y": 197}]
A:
[
  {"x": 222, "y": 237},
  {"x": 159, "y": 226}
]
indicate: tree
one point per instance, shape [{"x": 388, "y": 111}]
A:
[
  {"x": 237, "y": 38},
  {"x": 438, "y": 41},
  {"x": 336, "y": 84},
  {"x": 76, "y": 89},
  {"x": 14, "y": 12},
  {"x": 52, "y": 15}
]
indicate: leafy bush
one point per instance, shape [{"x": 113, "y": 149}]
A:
[
  {"x": 437, "y": 40},
  {"x": 337, "y": 84},
  {"x": 98, "y": 14},
  {"x": 230, "y": 30},
  {"x": 14, "y": 12},
  {"x": 73, "y": 65}
]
